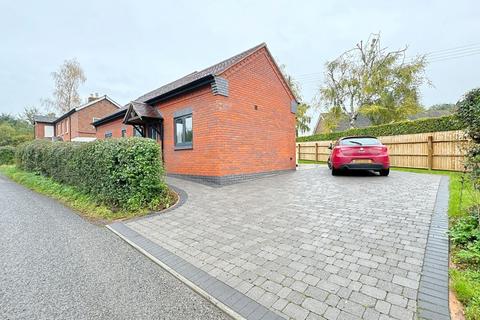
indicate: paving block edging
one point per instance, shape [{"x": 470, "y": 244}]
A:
[
  {"x": 432, "y": 298},
  {"x": 231, "y": 301}
]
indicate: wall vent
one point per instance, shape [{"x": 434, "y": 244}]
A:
[{"x": 293, "y": 106}]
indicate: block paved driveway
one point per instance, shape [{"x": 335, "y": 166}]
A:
[{"x": 305, "y": 244}]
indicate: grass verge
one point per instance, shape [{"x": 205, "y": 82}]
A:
[
  {"x": 71, "y": 197},
  {"x": 466, "y": 285}
]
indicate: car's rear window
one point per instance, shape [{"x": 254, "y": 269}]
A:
[{"x": 360, "y": 142}]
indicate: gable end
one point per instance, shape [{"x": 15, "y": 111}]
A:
[{"x": 263, "y": 50}]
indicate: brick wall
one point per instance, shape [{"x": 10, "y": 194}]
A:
[
  {"x": 250, "y": 131},
  {"x": 39, "y": 130},
  {"x": 115, "y": 127},
  {"x": 63, "y": 129},
  {"x": 205, "y": 157},
  {"x": 258, "y": 126},
  {"x": 84, "y": 117}
]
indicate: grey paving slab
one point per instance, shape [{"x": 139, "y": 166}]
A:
[{"x": 308, "y": 245}]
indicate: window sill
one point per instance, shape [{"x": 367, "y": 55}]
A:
[{"x": 183, "y": 148}]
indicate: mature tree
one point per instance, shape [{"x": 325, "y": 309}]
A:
[
  {"x": 303, "y": 118},
  {"x": 67, "y": 81},
  {"x": 382, "y": 84},
  {"x": 29, "y": 114}
]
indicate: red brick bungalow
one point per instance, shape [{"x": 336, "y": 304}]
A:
[
  {"x": 229, "y": 122},
  {"x": 76, "y": 124}
]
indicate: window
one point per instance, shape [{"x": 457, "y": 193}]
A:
[
  {"x": 360, "y": 141},
  {"x": 137, "y": 132},
  {"x": 183, "y": 132},
  {"x": 124, "y": 132},
  {"x": 108, "y": 134},
  {"x": 152, "y": 132}
]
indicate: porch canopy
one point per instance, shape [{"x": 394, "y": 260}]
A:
[
  {"x": 143, "y": 117},
  {"x": 139, "y": 113}
]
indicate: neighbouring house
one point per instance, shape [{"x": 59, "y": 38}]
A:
[
  {"x": 76, "y": 124},
  {"x": 44, "y": 127},
  {"x": 343, "y": 124},
  {"x": 229, "y": 122}
]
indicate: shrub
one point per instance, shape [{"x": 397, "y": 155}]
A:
[
  {"x": 468, "y": 113},
  {"x": 466, "y": 229},
  {"x": 7, "y": 155},
  {"x": 445, "y": 123},
  {"x": 470, "y": 255},
  {"x": 465, "y": 236},
  {"x": 122, "y": 173}
]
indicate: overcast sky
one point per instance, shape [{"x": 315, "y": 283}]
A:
[{"x": 128, "y": 48}]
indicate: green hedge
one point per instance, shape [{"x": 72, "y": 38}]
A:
[
  {"x": 7, "y": 154},
  {"x": 122, "y": 173},
  {"x": 445, "y": 123}
]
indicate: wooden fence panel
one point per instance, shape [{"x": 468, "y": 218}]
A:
[{"x": 434, "y": 150}]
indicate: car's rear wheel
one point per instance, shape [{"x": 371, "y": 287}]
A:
[{"x": 384, "y": 172}]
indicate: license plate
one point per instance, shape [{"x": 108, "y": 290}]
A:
[{"x": 362, "y": 161}]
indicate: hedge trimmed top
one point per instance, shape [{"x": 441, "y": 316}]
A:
[
  {"x": 122, "y": 173},
  {"x": 446, "y": 123}
]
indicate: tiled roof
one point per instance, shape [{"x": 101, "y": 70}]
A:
[
  {"x": 46, "y": 119},
  {"x": 216, "y": 69},
  {"x": 144, "y": 110},
  {"x": 50, "y": 119}
]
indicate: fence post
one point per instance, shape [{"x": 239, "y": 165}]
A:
[
  {"x": 299, "y": 156},
  {"x": 430, "y": 152},
  {"x": 316, "y": 151}
]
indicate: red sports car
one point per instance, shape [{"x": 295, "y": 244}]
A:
[{"x": 359, "y": 153}]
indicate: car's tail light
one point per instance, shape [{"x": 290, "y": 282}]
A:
[{"x": 337, "y": 151}]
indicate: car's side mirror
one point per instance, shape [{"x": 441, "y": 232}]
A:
[{"x": 330, "y": 146}]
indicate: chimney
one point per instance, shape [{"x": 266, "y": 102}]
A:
[{"x": 91, "y": 98}]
